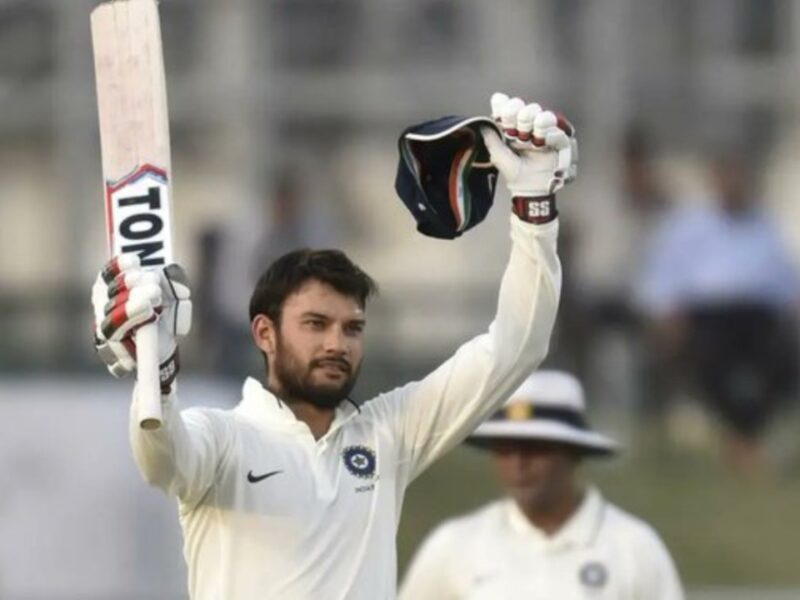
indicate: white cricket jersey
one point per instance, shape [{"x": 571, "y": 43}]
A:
[
  {"x": 601, "y": 553},
  {"x": 269, "y": 512}
]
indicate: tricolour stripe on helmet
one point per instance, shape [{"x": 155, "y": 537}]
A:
[{"x": 460, "y": 200}]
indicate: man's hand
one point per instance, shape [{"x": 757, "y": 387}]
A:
[
  {"x": 125, "y": 297},
  {"x": 537, "y": 157}
]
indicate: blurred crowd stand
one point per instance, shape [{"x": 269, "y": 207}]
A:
[
  {"x": 719, "y": 293},
  {"x": 695, "y": 317}
]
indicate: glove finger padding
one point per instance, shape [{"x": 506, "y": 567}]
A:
[
  {"x": 525, "y": 119},
  {"x": 543, "y": 143},
  {"x": 114, "y": 269},
  {"x": 117, "y": 356},
  {"x": 498, "y": 101},
  {"x": 128, "y": 279},
  {"x": 509, "y": 115},
  {"x": 128, "y": 310},
  {"x": 125, "y": 297},
  {"x": 119, "y": 264}
]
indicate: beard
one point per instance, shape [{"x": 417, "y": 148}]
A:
[{"x": 296, "y": 380}]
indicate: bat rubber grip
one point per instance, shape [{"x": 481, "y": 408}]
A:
[{"x": 148, "y": 382}]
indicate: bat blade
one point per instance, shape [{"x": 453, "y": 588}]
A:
[
  {"x": 134, "y": 128},
  {"x": 134, "y": 142}
]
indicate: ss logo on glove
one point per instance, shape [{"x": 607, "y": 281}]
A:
[{"x": 539, "y": 209}]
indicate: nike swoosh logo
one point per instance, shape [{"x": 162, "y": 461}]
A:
[{"x": 256, "y": 478}]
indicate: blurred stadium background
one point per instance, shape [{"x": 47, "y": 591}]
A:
[{"x": 284, "y": 117}]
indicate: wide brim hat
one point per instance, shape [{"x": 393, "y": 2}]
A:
[
  {"x": 549, "y": 406},
  {"x": 445, "y": 176}
]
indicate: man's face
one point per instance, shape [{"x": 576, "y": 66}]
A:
[
  {"x": 318, "y": 346},
  {"x": 539, "y": 475}
]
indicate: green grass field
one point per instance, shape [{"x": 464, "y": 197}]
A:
[{"x": 720, "y": 529}]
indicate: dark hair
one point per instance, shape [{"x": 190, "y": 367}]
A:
[{"x": 288, "y": 273}]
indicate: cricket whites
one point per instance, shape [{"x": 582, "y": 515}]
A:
[{"x": 134, "y": 141}]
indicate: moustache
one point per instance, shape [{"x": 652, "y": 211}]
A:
[{"x": 338, "y": 362}]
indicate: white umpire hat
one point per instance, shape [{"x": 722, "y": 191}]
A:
[{"x": 548, "y": 406}]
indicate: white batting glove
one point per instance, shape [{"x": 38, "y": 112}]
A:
[
  {"x": 537, "y": 156},
  {"x": 125, "y": 297}
]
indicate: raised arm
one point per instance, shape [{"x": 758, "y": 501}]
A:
[
  {"x": 432, "y": 415},
  {"x": 182, "y": 455}
]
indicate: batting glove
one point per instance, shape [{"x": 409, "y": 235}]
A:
[
  {"x": 125, "y": 297},
  {"x": 537, "y": 156}
]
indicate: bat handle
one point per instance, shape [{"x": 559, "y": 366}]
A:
[{"x": 147, "y": 375}]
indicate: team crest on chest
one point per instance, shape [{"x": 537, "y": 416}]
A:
[
  {"x": 360, "y": 461},
  {"x": 594, "y": 575}
]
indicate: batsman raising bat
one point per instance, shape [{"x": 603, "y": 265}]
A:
[{"x": 296, "y": 493}]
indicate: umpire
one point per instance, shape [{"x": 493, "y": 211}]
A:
[{"x": 549, "y": 538}]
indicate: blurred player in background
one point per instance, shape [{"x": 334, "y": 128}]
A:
[
  {"x": 296, "y": 493},
  {"x": 721, "y": 293},
  {"x": 550, "y": 538}
]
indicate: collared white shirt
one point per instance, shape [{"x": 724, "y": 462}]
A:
[
  {"x": 269, "y": 512},
  {"x": 495, "y": 553}
]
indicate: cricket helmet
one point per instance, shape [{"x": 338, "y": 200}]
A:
[{"x": 445, "y": 176}]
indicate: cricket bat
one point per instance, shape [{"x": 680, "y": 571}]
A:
[{"x": 134, "y": 141}]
